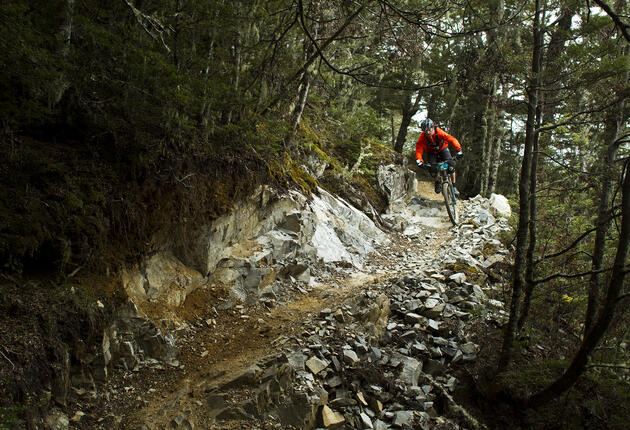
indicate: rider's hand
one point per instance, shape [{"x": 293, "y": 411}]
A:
[
  {"x": 459, "y": 155},
  {"x": 421, "y": 164}
]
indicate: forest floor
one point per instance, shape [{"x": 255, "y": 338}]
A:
[{"x": 220, "y": 345}]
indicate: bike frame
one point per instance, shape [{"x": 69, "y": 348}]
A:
[{"x": 450, "y": 200}]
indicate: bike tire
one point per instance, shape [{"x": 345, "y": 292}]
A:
[{"x": 450, "y": 201}]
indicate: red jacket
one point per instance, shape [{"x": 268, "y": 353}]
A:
[{"x": 435, "y": 143}]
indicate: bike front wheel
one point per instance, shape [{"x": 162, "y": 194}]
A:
[{"x": 450, "y": 201}]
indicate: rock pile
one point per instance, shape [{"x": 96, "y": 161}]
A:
[{"x": 386, "y": 358}]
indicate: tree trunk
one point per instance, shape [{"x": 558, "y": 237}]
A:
[
  {"x": 603, "y": 219},
  {"x": 601, "y": 324},
  {"x": 65, "y": 32},
  {"x": 490, "y": 137},
  {"x": 237, "y": 74},
  {"x": 518, "y": 280},
  {"x": 408, "y": 111},
  {"x": 530, "y": 271},
  {"x": 495, "y": 157},
  {"x": 299, "y": 108}
]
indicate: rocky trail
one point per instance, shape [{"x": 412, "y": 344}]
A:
[{"x": 376, "y": 346}]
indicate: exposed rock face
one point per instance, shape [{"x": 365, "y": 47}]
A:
[
  {"x": 499, "y": 206},
  {"x": 161, "y": 278},
  {"x": 398, "y": 182},
  {"x": 265, "y": 238},
  {"x": 343, "y": 375},
  {"x": 382, "y": 359}
]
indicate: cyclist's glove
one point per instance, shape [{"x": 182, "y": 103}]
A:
[
  {"x": 423, "y": 165},
  {"x": 459, "y": 155}
]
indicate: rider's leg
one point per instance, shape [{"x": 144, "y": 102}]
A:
[
  {"x": 433, "y": 158},
  {"x": 445, "y": 155}
]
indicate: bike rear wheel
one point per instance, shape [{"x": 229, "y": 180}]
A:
[{"x": 450, "y": 201}]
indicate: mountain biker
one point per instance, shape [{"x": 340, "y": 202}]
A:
[{"x": 435, "y": 142}]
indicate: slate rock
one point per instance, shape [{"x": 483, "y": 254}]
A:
[
  {"x": 331, "y": 419},
  {"x": 316, "y": 365},
  {"x": 410, "y": 371}
]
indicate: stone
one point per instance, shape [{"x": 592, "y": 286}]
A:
[
  {"x": 350, "y": 357},
  {"x": 433, "y": 325},
  {"x": 316, "y": 365},
  {"x": 412, "y": 317},
  {"x": 180, "y": 422},
  {"x": 331, "y": 419},
  {"x": 403, "y": 419},
  {"x": 302, "y": 410},
  {"x": 57, "y": 420},
  {"x": 297, "y": 361},
  {"x": 380, "y": 425},
  {"x": 410, "y": 371},
  {"x": 375, "y": 354},
  {"x": 77, "y": 416},
  {"x": 232, "y": 413},
  {"x": 459, "y": 278},
  {"x": 499, "y": 206},
  {"x": 361, "y": 398},
  {"x": 215, "y": 403},
  {"x": 419, "y": 348},
  {"x": 469, "y": 348},
  {"x": 366, "y": 421},
  {"x": 248, "y": 377},
  {"x": 334, "y": 382}
]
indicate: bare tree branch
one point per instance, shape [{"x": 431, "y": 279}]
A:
[
  {"x": 568, "y": 248},
  {"x": 151, "y": 25},
  {"x": 351, "y": 72},
  {"x": 568, "y": 276},
  {"x": 615, "y": 17}
]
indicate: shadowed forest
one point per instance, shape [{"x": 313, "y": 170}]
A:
[{"x": 130, "y": 123}]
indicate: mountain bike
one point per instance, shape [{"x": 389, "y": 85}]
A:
[{"x": 447, "y": 190}]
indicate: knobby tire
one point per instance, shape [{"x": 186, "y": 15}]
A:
[{"x": 450, "y": 202}]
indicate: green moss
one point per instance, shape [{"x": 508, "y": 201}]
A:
[{"x": 286, "y": 171}]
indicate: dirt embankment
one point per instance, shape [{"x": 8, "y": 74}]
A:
[{"x": 224, "y": 338}]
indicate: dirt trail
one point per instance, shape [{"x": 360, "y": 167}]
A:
[{"x": 221, "y": 345}]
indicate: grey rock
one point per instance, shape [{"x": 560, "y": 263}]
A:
[
  {"x": 350, "y": 357},
  {"x": 403, "y": 419},
  {"x": 334, "y": 382},
  {"x": 419, "y": 348},
  {"x": 249, "y": 377},
  {"x": 458, "y": 278},
  {"x": 380, "y": 425},
  {"x": 57, "y": 420},
  {"x": 180, "y": 422},
  {"x": 316, "y": 365},
  {"x": 412, "y": 318},
  {"x": 469, "y": 348},
  {"x": 365, "y": 420},
  {"x": 410, "y": 371},
  {"x": 430, "y": 409},
  {"x": 433, "y": 325},
  {"x": 297, "y": 361}
]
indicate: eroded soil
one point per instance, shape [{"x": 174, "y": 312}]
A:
[{"x": 223, "y": 339}]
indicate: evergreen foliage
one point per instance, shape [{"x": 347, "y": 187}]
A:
[{"x": 124, "y": 119}]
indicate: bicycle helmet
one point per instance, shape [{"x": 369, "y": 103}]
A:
[{"x": 427, "y": 124}]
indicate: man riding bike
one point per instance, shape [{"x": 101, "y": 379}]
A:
[{"x": 435, "y": 142}]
